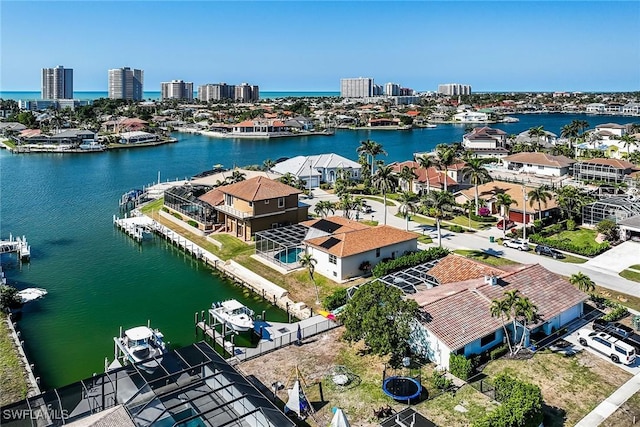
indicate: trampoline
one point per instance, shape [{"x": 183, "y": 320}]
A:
[{"x": 402, "y": 389}]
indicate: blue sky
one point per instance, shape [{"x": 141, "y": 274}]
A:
[{"x": 310, "y": 45}]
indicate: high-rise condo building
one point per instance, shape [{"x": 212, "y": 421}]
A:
[
  {"x": 57, "y": 83},
  {"x": 125, "y": 83},
  {"x": 176, "y": 89},
  {"x": 361, "y": 87},
  {"x": 247, "y": 93},
  {"x": 392, "y": 89},
  {"x": 454, "y": 89},
  {"x": 216, "y": 92}
]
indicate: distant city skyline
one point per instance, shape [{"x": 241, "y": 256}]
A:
[{"x": 503, "y": 46}]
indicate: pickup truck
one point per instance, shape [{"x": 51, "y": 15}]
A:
[{"x": 620, "y": 331}]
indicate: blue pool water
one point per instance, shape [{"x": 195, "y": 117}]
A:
[{"x": 289, "y": 257}]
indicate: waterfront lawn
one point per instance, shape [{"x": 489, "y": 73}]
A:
[
  {"x": 13, "y": 381},
  {"x": 630, "y": 275},
  {"x": 485, "y": 257},
  {"x": 9, "y": 143},
  {"x": 571, "y": 386},
  {"x": 231, "y": 246},
  {"x": 152, "y": 207}
]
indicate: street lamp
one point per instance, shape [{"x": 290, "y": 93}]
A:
[{"x": 524, "y": 219}]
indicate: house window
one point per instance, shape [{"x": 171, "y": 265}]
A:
[
  {"x": 333, "y": 259},
  {"x": 229, "y": 200},
  {"x": 540, "y": 167},
  {"x": 487, "y": 339},
  {"x": 250, "y": 204},
  {"x": 266, "y": 202},
  {"x": 378, "y": 253},
  {"x": 335, "y": 274},
  {"x": 281, "y": 202}
]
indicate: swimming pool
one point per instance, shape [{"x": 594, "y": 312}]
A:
[{"x": 289, "y": 256}]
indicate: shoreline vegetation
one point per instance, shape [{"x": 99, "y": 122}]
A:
[{"x": 13, "y": 375}]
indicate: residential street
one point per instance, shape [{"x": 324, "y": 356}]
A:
[{"x": 480, "y": 241}]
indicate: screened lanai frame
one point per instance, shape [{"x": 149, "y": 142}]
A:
[
  {"x": 409, "y": 281},
  {"x": 281, "y": 243},
  {"x": 184, "y": 199},
  {"x": 193, "y": 379},
  {"x": 613, "y": 208}
]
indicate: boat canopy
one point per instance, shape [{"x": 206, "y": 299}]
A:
[
  {"x": 138, "y": 333},
  {"x": 232, "y": 305}
]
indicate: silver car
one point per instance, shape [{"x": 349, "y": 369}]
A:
[{"x": 518, "y": 244}]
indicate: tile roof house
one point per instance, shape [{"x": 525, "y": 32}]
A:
[
  {"x": 486, "y": 142},
  {"x": 599, "y": 169},
  {"x": 341, "y": 246},
  {"x": 258, "y": 204},
  {"x": 487, "y": 192},
  {"x": 427, "y": 179},
  {"x": 539, "y": 163},
  {"x": 318, "y": 168},
  {"x": 458, "y": 320}
]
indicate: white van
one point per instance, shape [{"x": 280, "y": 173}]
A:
[{"x": 617, "y": 350}]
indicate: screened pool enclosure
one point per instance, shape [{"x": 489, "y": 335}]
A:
[{"x": 282, "y": 246}]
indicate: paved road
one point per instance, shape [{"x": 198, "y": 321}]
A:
[{"x": 480, "y": 241}]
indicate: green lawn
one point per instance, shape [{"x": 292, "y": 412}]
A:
[
  {"x": 573, "y": 259},
  {"x": 231, "y": 246},
  {"x": 9, "y": 143},
  {"x": 464, "y": 221},
  {"x": 379, "y": 200},
  {"x": 419, "y": 219},
  {"x": 635, "y": 266},
  {"x": 369, "y": 222},
  {"x": 630, "y": 275},
  {"x": 425, "y": 239},
  {"x": 151, "y": 207},
  {"x": 579, "y": 236},
  {"x": 485, "y": 257},
  {"x": 13, "y": 386}
]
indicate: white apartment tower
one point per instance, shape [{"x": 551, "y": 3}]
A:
[
  {"x": 57, "y": 83},
  {"x": 454, "y": 89},
  {"x": 392, "y": 89},
  {"x": 361, "y": 87},
  {"x": 125, "y": 83},
  {"x": 247, "y": 93},
  {"x": 216, "y": 92},
  {"x": 176, "y": 89}
]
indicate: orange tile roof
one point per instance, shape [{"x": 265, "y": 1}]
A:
[
  {"x": 540, "y": 159},
  {"x": 616, "y": 163},
  {"x": 259, "y": 188},
  {"x": 436, "y": 177},
  {"x": 413, "y": 113},
  {"x": 489, "y": 190},
  {"x": 359, "y": 241},
  {"x": 456, "y": 268},
  {"x": 214, "y": 197}
]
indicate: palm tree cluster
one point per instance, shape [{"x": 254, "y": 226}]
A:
[
  {"x": 370, "y": 149},
  {"x": 520, "y": 311}
]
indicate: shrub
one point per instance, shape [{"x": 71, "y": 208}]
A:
[
  {"x": 521, "y": 404},
  {"x": 335, "y": 300},
  {"x": 487, "y": 219},
  {"x": 165, "y": 209},
  {"x": 616, "y": 314},
  {"x": 498, "y": 352},
  {"x": 456, "y": 229},
  {"x": 484, "y": 211},
  {"x": 537, "y": 224},
  {"x": 408, "y": 260},
  {"x": 571, "y": 225},
  {"x": 439, "y": 381},
  {"x": 192, "y": 223},
  {"x": 177, "y": 215},
  {"x": 568, "y": 246},
  {"x": 460, "y": 366}
]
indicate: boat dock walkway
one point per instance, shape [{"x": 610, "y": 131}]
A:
[
  {"x": 18, "y": 245},
  {"x": 273, "y": 335}
]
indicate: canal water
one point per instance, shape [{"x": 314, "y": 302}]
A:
[{"x": 99, "y": 279}]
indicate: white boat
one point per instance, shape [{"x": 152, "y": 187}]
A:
[
  {"x": 430, "y": 125},
  {"x": 139, "y": 344},
  {"x": 31, "y": 294},
  {"x": 234, "y": 314}
]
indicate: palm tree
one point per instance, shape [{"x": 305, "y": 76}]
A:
[
  {"x": 477, "y": 174},
  {"x": 628, "y": 141},
  {"x": 570, "y": 132},
  {"x": 468, "y": 207},
  {"x": 323, "y": 207},
  {"x": 427, "y": 162},
  {"x": 407, "y": 201},
  {"x": 583, "y": 282},
  {"x": 500, "y": 310},
  {"x": 504, "y": 201},
  {"x": 385, "y": 180},
  {"x": 346, "y": 203},
  {"x": 308, "y": 261},
  {"x": 372, "y": 149},
  {"x": 527, "y": 312},
  {"x": 446, "y": 157},
  {"x": 438, "y": 202},
  {"x": 288, "y": 179},
  {"x": 376, "y": 150},
  {"x": 407, "y": 175},
  {"x": 237, "y": 176},
  {"x": 536, "y": 132},
  {"x": 268, "y": 164},
  {"x": 539, "y": 195}
]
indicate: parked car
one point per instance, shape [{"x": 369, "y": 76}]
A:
[
  {"x": 518, "y": 244},
  {"x": 365, "y": 208},
  {"x": 547, "y": 251},
  {"x": 510, "y": 224},
  {"x": 617, "y": 350},
  {"x": 620, "y": 331}
]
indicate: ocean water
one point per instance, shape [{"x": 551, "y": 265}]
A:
[
  {"x": 155, "y": 95},
  {"x": 99, "y": 279}
]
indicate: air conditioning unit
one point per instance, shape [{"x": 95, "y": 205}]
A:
[{"x": 490, "y": 280}]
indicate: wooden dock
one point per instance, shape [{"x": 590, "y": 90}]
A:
[{"x": 18, "y": 245}]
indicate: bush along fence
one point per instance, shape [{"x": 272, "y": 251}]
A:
[
  {"x": 570, "y": 247},
  {"x": 408, "y": 260}
]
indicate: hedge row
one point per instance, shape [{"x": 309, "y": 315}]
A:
[
  {"x": 478, "y": 218},
  {"x": 569, "y": 246},
  {"x": 521, "y": 404},
  {"x": 409, "y": 260}
]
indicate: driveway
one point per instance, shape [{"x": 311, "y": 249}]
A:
[
  {"x": 617, "y": 258},
  {"x": 633, "y": 369}
]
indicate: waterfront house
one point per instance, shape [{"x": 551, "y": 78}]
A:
[
  {"x": 538, "y": 163},
  {"x": 137, "y": 137},
  {"x": 345, "y": 249},
  {"x": 259, "y": 127},
  {"x": 595, "y": 108},
  {"x": 486, "y": 142},
  {"x": 431, "y": 179},
  {"x": 69, "y": 138},
  {"x": 319, "y": 168},
  {"x": 125, "y": 124},
  {"x": 605, "y": 170},
  {"x": 487, "y": 193},
  {"x": 258, "y": 204},
  {"x": 610, "y": 131},
  {"x": 455, "y": 315},
  {"x": 471, "y": 117}
]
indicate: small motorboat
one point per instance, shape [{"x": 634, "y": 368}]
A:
[
  {"x": 31, "y": 294},
  {"x": 141, "y": 345},
  {"x": 234, "y": 314}
]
